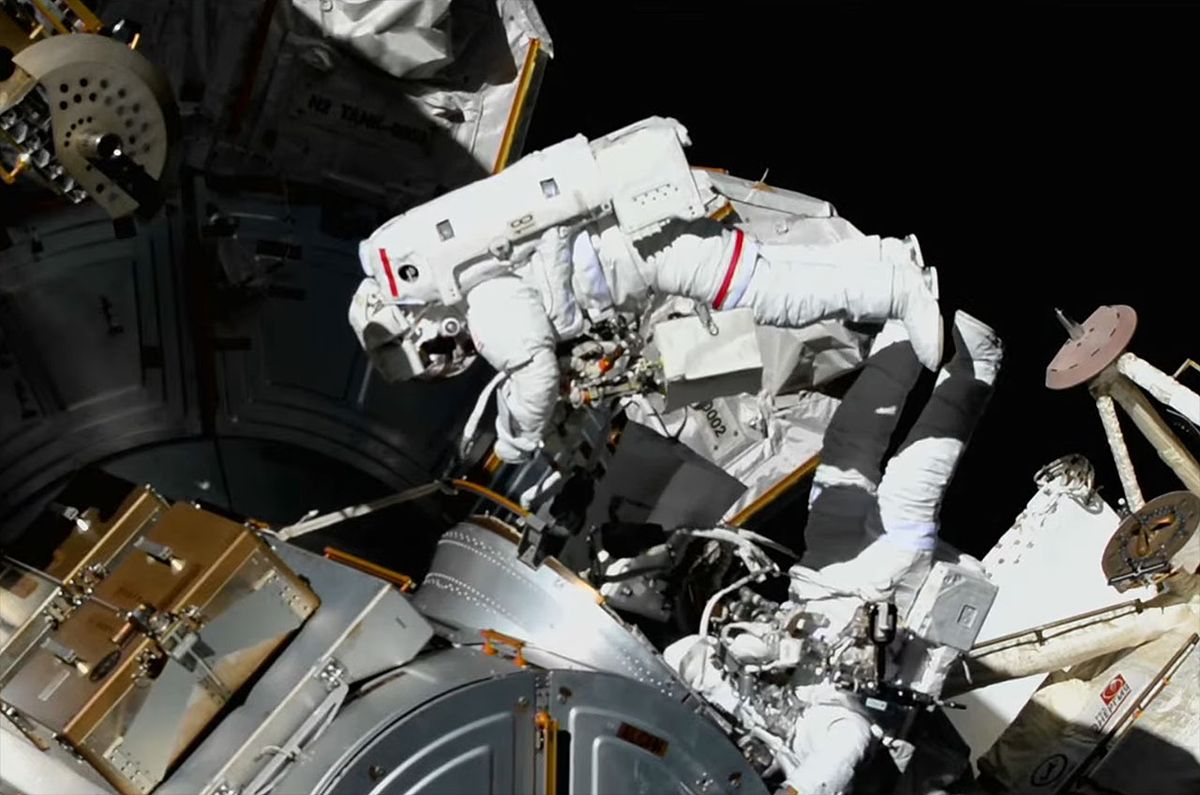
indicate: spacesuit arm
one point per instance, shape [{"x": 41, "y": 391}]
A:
[
  {"x": 792, "y": 286},
  {"x": 703, "y": 260},
  {"x": 512, "y": 332},
  {"x": 726, "y": 268}
]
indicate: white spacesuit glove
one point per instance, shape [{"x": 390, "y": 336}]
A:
[
  {"x": 511, "y": 331},
  {"x": 884, "y": 570}
]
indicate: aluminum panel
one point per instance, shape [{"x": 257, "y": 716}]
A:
[
  {"x": 627, "y": 738},
  {"x": 364, "y": 624},
  {"x": 479, "y": 739},
  {"x": 476, "y": 582},
  {"x": 421, "y": 714}
]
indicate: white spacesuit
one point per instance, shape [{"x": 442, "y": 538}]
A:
[
  {"x": 856, "y": 503},
  {"x": 605, "y": 229},
  {"x": 873, "y": 532}
]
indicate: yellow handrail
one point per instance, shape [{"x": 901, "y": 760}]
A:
[
  {"x": 775, "y": 492},
  {"x": 518, "y": 107},
  {"x": 403, "y": 581}
]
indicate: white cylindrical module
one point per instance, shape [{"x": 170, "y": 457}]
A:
[
  {"x": 1163, "y": 387},
  {"x": 1168, "y": 447}
]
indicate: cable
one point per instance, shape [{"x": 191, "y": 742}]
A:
[
  {"x": 472, "y": 427},
  {"x": 216, "y": 440},
  {"x": 319, "y": 522},
  {"x": 666, "y": 431},
  {"x": 706, "y": 616}
]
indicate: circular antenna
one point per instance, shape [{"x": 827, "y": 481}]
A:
[
  {"x": 1143, "y": 546},
  {"x": 1095, "y": 344}
]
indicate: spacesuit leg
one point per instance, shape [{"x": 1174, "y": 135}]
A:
[
  {"x": 845, "y": 484},
  {"x": 915, "y": 482},
  {"x": 910, "y": 495}
]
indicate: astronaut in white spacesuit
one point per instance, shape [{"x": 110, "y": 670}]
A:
[
  {"x": 871, "y": 536},
  {"x": 893, "y": 512},
  {"x": 873, "y": 531},
  {"x": 511, "y": 266}
]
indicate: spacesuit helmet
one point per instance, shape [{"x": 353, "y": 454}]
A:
[{"x": 426, "y": 341}]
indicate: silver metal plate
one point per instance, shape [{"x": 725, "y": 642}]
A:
[
  {"x": 951, "y": 605},
  {"x": 457, "y": 721},
  {"x": 363, "y": 622},
  {"x": 627, "y": 739},
  {"x": 449, "y": 722},
  {"x": 476, "y": 582}
]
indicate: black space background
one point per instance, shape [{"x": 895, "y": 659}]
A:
[{"x": 1046, "y": 155}]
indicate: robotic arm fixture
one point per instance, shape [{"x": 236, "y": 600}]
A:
[{"x": 82, "y": 113}]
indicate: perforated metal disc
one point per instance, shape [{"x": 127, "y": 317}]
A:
[
  {"x": 1106, "y": 333},
  {"x": 1143, "y": 546},
  {"x": 98, "y": 86}
]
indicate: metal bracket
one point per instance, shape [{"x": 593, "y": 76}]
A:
[
  {"x": 706, "y": 318},
  {"x": 531, "y": 549},
  {"x": 535, "y": 533},
  {"x": 72, "y": 514},
  {"x": 332, "y": 674},
  {"x": 491, "y": 638},
  {"x": 66, "y": 655},
  {"x": 160, "y": 553}
]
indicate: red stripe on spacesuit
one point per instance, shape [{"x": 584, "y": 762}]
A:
[
  {"x": 387, "y": 268},
  {"x": 723, "y": 293}
]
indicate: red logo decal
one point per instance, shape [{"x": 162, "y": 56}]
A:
[
  {"x": 1114, "y": 689},
  {"x": 387, "y": 269}
]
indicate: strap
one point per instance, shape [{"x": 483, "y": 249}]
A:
[{"x": 738, "y": 240}]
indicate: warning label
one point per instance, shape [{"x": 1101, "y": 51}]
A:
[{"x": 1115, "y": 693}]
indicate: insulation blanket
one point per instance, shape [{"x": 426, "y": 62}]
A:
[
  {"x": 757, "y": 441},
  {"x": 1065, "y": 720},
  {"x": 761, "y": 439},
  {"x": 310, "y": 88},
  {"x": 402, "y": 37}
]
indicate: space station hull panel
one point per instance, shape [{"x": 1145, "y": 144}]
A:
[
  {"x": 1065, "y": 521},
  {"x": 476, "y": 582}
]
